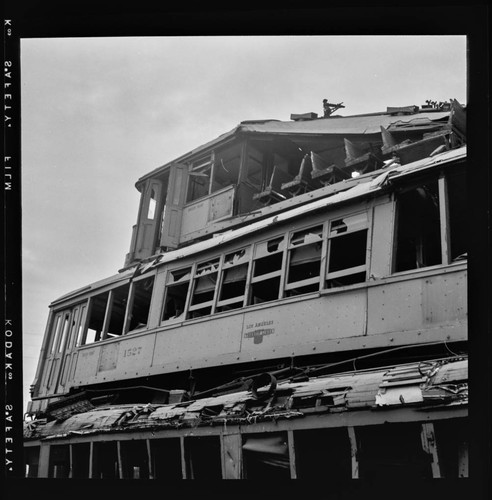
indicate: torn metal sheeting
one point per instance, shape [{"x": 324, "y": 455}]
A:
[{"x": 442, "y": 383}]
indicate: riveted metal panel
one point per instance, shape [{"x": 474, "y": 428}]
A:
[
  {"x": 417, "y": 303},
  {"x": 328, "y": 317},
  {"x": 198, "y": 340},
  {"x": 87, "y": 363},
  {"x": 108, "y": 359}
]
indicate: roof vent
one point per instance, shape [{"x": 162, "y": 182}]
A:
[{"x": 304, "y": 117}]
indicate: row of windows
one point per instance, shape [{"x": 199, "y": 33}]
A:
[
  {"x": 401, "y": 450},
  {"x": 430, "y": 229},
  {"x": 284, "y": 266}
]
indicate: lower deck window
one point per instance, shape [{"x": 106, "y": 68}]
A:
[
  {"x": 166, "y": 458},
  {"x": 323, "y": 453},
  {"x": 392, "y": 450},
  {"x": 452, "y": 447},
  {"x": 134, "y": 459},
  {"x": 203, "y": 459},
  {"x": 80, "y": 460},
  {"x": 59, "y": 464},
  {"x": 105, "y": 460},
  {"x": 266, "y": 456},
  {"x": 31, "y": 461}
]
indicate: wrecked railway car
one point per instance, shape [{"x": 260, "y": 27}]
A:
[
  {"x": 278, "y": 252},
  {"x": 408, "y": 420}
]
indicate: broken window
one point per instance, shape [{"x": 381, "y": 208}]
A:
[
  {"x": 166, "y": 458},
  {"x": 105, "y": 460},
  {"x": 203, "y": 459},
  {"x": 142, "y": 294},
  {"x": 304, "y": 261},
  {"x": 267, "y": 269},
  {"x": 323, "y": 453},
  {"x": 452, "y": 436},
  {"x": 418, "y": 234},
  {"x": 226, "y": 167},
  {"x": 347, "y": 251},
  {"x": 266, "y": 456},
  {"x": 199, "y": 178},
  {"x": 177, "y": 285},
  {"x": 255, "y": 161},
  {"x": 134, "y": 459},
  {"x": 392, "y": 450},
  {"x": 118, "y": 302},
  {"x": 203, "y": 291},
  {"x": 31, "y": 461},
  {"x": 233, "y": 284},
  {"x": 458, "y": 215},
  {"x": 59, "y": 462},
  {"x": 80, "y": 460},
  {"x": 98, "y": 305}
]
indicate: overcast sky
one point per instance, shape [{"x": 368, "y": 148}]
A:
[{"x": 98, "y": 113}]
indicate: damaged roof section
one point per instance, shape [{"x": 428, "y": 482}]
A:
[{"x": 437, "y": 383}]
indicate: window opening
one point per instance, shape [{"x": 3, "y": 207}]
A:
[
  {"x": 452, "y": 446},
  {"x": 392, "y": 450},
  {"x": 233, "y": 285},
  {"x": 203, "y": 292},
  {"x": 458, "y": 214},
  {"x": 347, "y": 251},
  {"x": 55, "y": 333},
  {"x": 166, "y": 458},
  {"x": 80, "y": 460},
  {"x": 96, "y": 318},
  {"x": 323, "y": 453},
  {"x": 118, "y": 308},
  {"x": 304, "y": 261},
  {"x": 81, "y": 326},
  {"x": 135, "y": 460},
  {"x": 152, "y": 205},
  {"x": 105, "y": 460},
  {"x": 66, "y": 324},
  {"x": 59, "y": 462},
  {"x": 255, "y": 167},
  {"x": 418, "y": 236},
  {"x": 266, "y": 456},
  {"x": 203, "y": 459},
  {"x": 178, "y": 283},
  {"x": 142, "y": 294},
  {"x": 267, "y": 268},
  {"x": 226, "y": 167},
  {"x": 31, "y": 461},
  {"x": 199, "y": 178}
]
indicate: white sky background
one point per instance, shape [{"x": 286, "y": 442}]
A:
[{"x": 98, "y": 113}]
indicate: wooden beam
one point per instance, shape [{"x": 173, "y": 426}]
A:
[
  {"x": 292, "y": 455},
  {"x": 353, "y": 452},
  {"x": 429, "y": 446},
  {"x": 444, "y": 221}
]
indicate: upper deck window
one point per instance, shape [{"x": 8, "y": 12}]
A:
[
  {"x": 233, "y": 281},
  {"x": 347, "y": 250},
  {"x": 418, "y": 227},
  {"x": 304, "y": 261},
  {"x": 203, "y": 291},
  {"x": 267, "y": 270},
  {"x": 199, "y": 178},
  {"x": 177, "y": 285}
]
